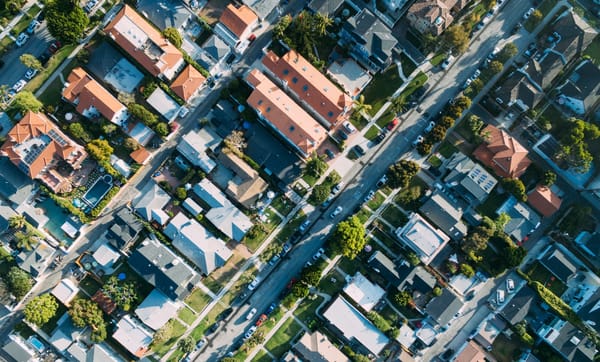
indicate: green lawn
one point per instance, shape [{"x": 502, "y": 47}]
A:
[
  {"x": 506, "y": 349},
  {"x": 408, "y": 198},
  {"x": 447, "y": 149},
  {"x": 381, "y": 87},
  {"x": 22, "y": 24},
  {"x": 53, "y": 63},
  {"x": 541, "y": 274},
  {"x": 387, "y": 239},
  {"x": 358, "y": 121},
  {"x": 376, "y": 201},
  {"x": 52, "y": 323},
  {"x": 363, "y": 215},
  {"x": 279, "y": 344},
  {"x": 385, "y": 118},
  {"x": 198, "y": 300},
  {"x": 254, "y": 242},
  {"x": 372, "y": 133},
  {"x": 186, "y": 315},
  {"x": 394, "y": 216},
  {"x": 291, "y": 226},
  {"x": 307, "y": 309},
  {"x": 262, "y": 356},
  {"x": 283, "y": 205},
  {"x": 89, "y": 285},
  {"x": 52, "y": 94},
  {"x": 310, "y": 179},
  {"x": 417, "y": 82},
  {"x": 178, "y": 330},
  {"x": 434, "y": 161},
  {"x": 331, "y": 283},
  {"x": 408, "y": 66},
  {"x": 437, "y": 59},
  {"x": 593, "y": 50}
]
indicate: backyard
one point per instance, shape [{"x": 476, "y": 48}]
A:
[
  {"x": 253, "y": 240},
  {"x": 381, "y": 87},
  {"x": 281, "y": 340},
  {"x": 539, "y": 273},
  {"x": 394, "y": 216}
]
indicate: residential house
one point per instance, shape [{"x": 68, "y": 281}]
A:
[
  {"x": 223, "y": 214},
  {"x": 235, "y": 26},
  {"x": 324, "y": 7},
  {"x": 350, "y": 76},
  {"x": 443, "y": 308},
  {"x": 519, "y": 306},
  {"x": 370, "y": 40},
  {"x": 166, "y": 13},
  {"x": 385, "y": 267},
  {"x": 316, "y": 347},
  {"x": 35, "y": 261},
  {"x": 65, "y": 334},
  {"x": 80, "y": 351},
  {"x": 19, "y": 349},
  {"x": 541, "y": 72},
  {"x": 472, "y": 352},
  {"x": 581, "y": 91},
  {"x": 489, "y": 330},
  {"x": 91, "y": 99},
  {"x": 6, "y": 213},
  {"x": 166, "y": 106},
  {"x": 198, "y": 245},
  {"x": 311, "y": 88},
  {"x": 502, "y": 153},
  {"x": 570, "y": 342},
  {"x": 124, "y": 229},
  {"x": 560, "y": 264},
  {"x": 544, "y": 200},
  {"x": 188, "y": 83},
  {"x": 445, "y": 214},
  {"x": 590, "y": 311},
  {"x": 150, "y": 202},
  {"x": 105, "y": 257},
  {"x": 575, "y": 35},
  {"x": 140, "y": 156},
  {"x": 242, "y": 182},
  {"x": 589, "y": 243},
  {"x": 214, "y": 54},
  {"x": 419, "y": 282},
  {"x": 264, "y": 9},
  {"x": 133, "y": 335},
  {"x": 37, "y": 147},
  {"x": 363, "y": 292},
  {"x": 523, "y": 221},
  {"x": 145, "y": 44},
  {"x": 194, "y": 145},
  {"x": 15, "y": 186},
  {"x": 284, "y": 116},
  {"x": 433, "y": 16},
  {"x": 156, "y": 310},
  {"x": 65, "y": 291},
  {"x": 349, "y": 322},
  {"x": 192, "y": 207},
  {"x": 421, "y": 237},
  {"x": 519, "y": 92},
  {"x": 162, "y": 268},
  {"x": 468, "y": 179}
]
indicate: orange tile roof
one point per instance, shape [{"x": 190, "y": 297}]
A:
[
  {"x": 140, "y": 155},
  {"x": 310, "y": 85},
  {"x": 503, "y": 153},
  {"x": 90, "y": 93},
  {"x": 471, "y": 353},
  {"x": 188, "y": 82},
  {"x": 284, "y": 114},
  {"x": 544, "y": 200},
  {"x": 128, "y": 23},
  {"x": 238, "y": 19}
]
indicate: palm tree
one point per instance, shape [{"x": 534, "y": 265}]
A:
[
  {"x": 26, "y": 240},
  {"x": 321, "y": 22},
  {"x": 17, "y": 222},
  {"x": 360, "y": 105},
  {"x": 398, "y": 105}
]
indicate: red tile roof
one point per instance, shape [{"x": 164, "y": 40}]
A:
[
  {"x": 188, "y": 82},
  {"x": 504, "y": 154},
  {"x": 544, "y": 201},
  {"x": 238, "y": 19},
  {"x": 311, "y": 86},
  {"x": 140, "y": 155}
]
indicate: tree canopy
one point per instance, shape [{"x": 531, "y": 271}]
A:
[
  {"x": 315, "y": 166},
  {"x": 141, "y": 113},
  {"x": 122, "y": 293},
  {"x": 186, "y": 345},
  {"x": 66, "y": 20},
  {"x": 401, "y": 173},
  {"x": 173, "y": 36},
  {"x": 18, "y": 281},
  {"x": 515, "y": 187},
  {"x": 456, "y": 38},
  {"x": 574, "y": 150},
  {"x": 25, "y": 101},
  {"x": 349, "y": 237},
  {"x": 319, "y": 194},
  {"x": 478, "y": 238},
  {"x": 99, "y": 149},
  {"x": 31, "y": 61},
  {"x": 549, "y": 178},
  {"x": 84, "y": 312},
  {"x": 40, "y": 309}
]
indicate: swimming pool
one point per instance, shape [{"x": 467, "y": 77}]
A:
[
  {"x": 36, "y": 343},
  {"x": 98, "y": 190}
]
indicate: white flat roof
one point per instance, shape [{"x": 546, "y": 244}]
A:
[
  {"x": 355, "y": 325},
  {"x": 106, "y": 256},
  {"x": 156, "y": 310},
  {"x": 407, "y": 336},
  {"x": 422, "y": 237},
  {"x": 132, "y": 335},
  {"x": 363, "y": 292},
  {"x": 65, "y": 291},
  {"x": 164, "y": 104},
  {"x": 351, "y": 76}
]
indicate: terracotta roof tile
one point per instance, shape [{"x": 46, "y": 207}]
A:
[
  {"x": 503, "y": 153},
  {"x": 544, "y": 200},
  {"x": 188, "y": 82},
  {"x": 238, "y": 19},
  {"x": 140, "y": 155}
]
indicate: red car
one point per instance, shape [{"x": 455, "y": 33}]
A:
[
  {"x": 390, "y": 126},
  {"x": 261, "y": 320},
  {"x": 54, "y": 46},
  {"x": 251, "y": 38}
]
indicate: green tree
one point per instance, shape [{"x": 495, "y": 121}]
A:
[
  {"x": 478, "y": 238},
  {"x": 455, "y": 38},
  {"x": 141, "y": 113},
  {"x": 424, "y": 148},
  {"x": 66, "y": 20},
  {"x": 122, "y": 293},
  {"x": 403, "y": 298},
  {"x": 163, "y": 334},
  {"x": 26, "y": 240},
  {"x": 348, "y": 238},
  {"x": 31, "y": 61},
  {"x": 398, "y": 105},
  {"x": 311, "y": 275},
  {"x": 462, "y": 102},
  {"x": 536, "y": 17},
  {"x": 83, "y": 313},
  {"x": 162, "y": 129},
  {"x": 495, "y": 67},
  {"x": 315, "y": 166},
  {"x": 173, "y": 36},
  {"x": 401, "y": 173},
  {"x": 40, "y": 309},
  {"x": 319, "y": 194},
  {"x": 475, "y": 124},
  {"x": 437, "y": 291},
  {"x": 501, "y": 221},
  {"x": 467, "y": 270},
  {"x": 25, "y": 101},
  {"x": 515, "y": 187},
  {"x": 281, "y": 26},
  {"x": 19, "y": 282},
  {"x": 181, "y": 193},
  {"x": 77, "y": 131},
  {"x": 413, "y": 258},
  {"x": 514, "y": 256},
  {"x": 109, "y": 128},
  {"x": 131, "y": 144},
  {"x": 446, "y": 122},
  {"x": 549, "y": 178},
  {"x": 17, "y": 221},
  {"x": 236, "y": 142},
  {"x": 186, "y": 345},
  {"x": 333, "y": 178},
  {"x": 3, "y": 95},
  {"x": 437, "y": 134},
  {"x": 299, "y": 290},
  {"x": 509, "y": 51},
  {"x": 574, "y": 147},
  {"x": 99, "y": 149},
  {"x": 476, "y": 85},
  {"x": 360, "y": 105}
]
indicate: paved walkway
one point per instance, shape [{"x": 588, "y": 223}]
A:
[{"x": 6, "y": 31}]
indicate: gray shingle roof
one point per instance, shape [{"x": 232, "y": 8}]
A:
[
  {"x": 375, "y": 36},
  {"x": 152, "y": 197},
  {"x": 559, "y": 264},
  {"x": 124, "y": 229},
  {"x": 444, "y": 214},
  {"x": 165, "y": 13},
  {"x": 519, "y": 305},
  {"x": 443, "y": 308}
]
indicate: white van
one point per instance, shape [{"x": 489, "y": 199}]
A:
[{"x": 500, "y": 296}]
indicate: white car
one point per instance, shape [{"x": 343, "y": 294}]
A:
[
  {"x": 446, "y": 63},
  {"x": 336, "y": 212},
  {"x": 418, "y": 140},
  {"x": 31, "y": 73},
  {"x": 19, "y": 85},
  {"x": 499, "y": 296},
  {"x": 429, "y": 127},
  {"x": 467, "y": 83},
  {"x": 21, "y": 39},
  {"x": 253, "y": 284},
  {"x": 318, "y": 254},
  {"x": 349, "y": 127},
  {"x": 251, "y": 314},
  {"x": 382, "y": 181},
  {"x": 510, "y": 285},
  {"x": 250, "y": 332},
  {"x": 476, "y": 74},
  {"x": 369, "y": 196},
  {"x": 528, "y": 13},
  {"x": 337, "y": 188}
]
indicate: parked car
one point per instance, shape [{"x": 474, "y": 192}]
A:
[
  {"x": 271, "y": 308},
  {"x": 359, "y": 150},
  {"x": 446, "y": 63},
  {"x": 380, "y": 137},
  {"x": 287, "y": 247},
  {"x": 250, "y": 332},
  {"x": 201, "y": 343},
  {"x": 467, "y": 83},
  {"x": 499, "y": 296},
  {"x": 274, "y": 260},
  {"x": 44, "y": 57},
  {"x": 516, "y": 28},
  {"x": 531, "y": 50},
  {"x": 90, "y": 5},
  {"x": 369, "y": 196},
  {"x": 21, "y": 39},
  {"x": 510, "y": 285},
  {"x": 381, "y": 181},
  {"x": 336, "y": 212},
  {"x": 393, "y": 123},
  {"x": 349, "y": 127},
  {"x": 430, "y": 126},
  {"x": 54, "y": 46},
  {"x": 476, "y": 74},
  {"x": 261, "y": 320},
  {"x": 33, "y": 26},
  {"x": 254, "y": 284},
  {"x": 251, "y": 314},
  {"x": 318, "y": 254},
  {"x": 470, "y": 295},
  {"x": 327, "y": 201},
  {"x": 329, "y": 154},
  {"x": 31, "y": 73},
  {"x": 21, "y": 83},
  {"x": 304, "y": 225},
  {"x": 337, "y": 188},
  {"x": 528, "y": 13},
  {"x": 418, "y": 140},
  {"x": 341, "y": 134},
  {"x": 183, "y": 111}
]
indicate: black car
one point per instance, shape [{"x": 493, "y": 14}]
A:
[
  {"x": 44, "y": 57},
  {"x": 213, "y": 328},
  {"x": 341, "y": 134},
  {"x": 226, "y": 313},
  {"x": 379, "y": 138},
  {"x": 329, "y": 154},
  {"x": 359, "y": 150}
]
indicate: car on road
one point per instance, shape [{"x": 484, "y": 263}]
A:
[
  {"x": 510, "y": 285},
  {"x": 382, "y": 181},
  {"x": 200, "y": 343},
  {"x": 261, "y": 320},
  {"x": 470, "y": 295},
  {"x": 479, "y": 26},
  {"x": 531, "y": 50},
  {"x": 446, "y": 63},
  {"x": 318, "y": 254},
  {"x": 393, "y": 123},
  {"x": 337, "y": 188},
  {"x": 369, "y": 196},
  {"x": 476, "y": 74},
  {"x": 271, "y": 308},
  {"x": 528, "y": 13},
  {"x": 213, "y": 328},
  {"x": 359, "y": 150},
  {"x": 329, "y": 154},
  {"x": 418, "y": 140},
  {"x": 516, "y": 28},
  {"x": 327, "y": 201},
  {"x": 304, "y": 226},
  {"x": 287, "y": 247},
  {"x": 251, "y": 314},
  {"x": 473, "y": 334},
  {"x": 467, "y": 83},
  {"x": 446, "y": 355},
  {"x": 44, "y": 57},
  {"x": 500, "y": 296},
  {"x": 380, "y": 137},
  {"x": 90, "y": 6},
  {"x": 254, "y": 284},
  {"x": 250, "y": 332},
  {"x": 21, "y": 83},
  {"x": 33, "y": 26},
  {"x": 341, "y": 134},
  {"x": 336, "y": 212},
  {"x": 21, "y": 39},
  {"x": 31, "y": 73},
  {"x": 54, "y": 46},
  {"x": 274, "y": 260},
  {"x": 493, "y": 54},
  {"x": 183, "y": 111},
  {"x": 430, "y": 126},
  {"x": 349, "y": 127}
]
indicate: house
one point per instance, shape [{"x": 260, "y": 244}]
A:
[
  {"x": 523, "y": 221},
  {"x": 145, "y": 44},
  {"x": 91, "y": 99},
  {"x": 142, "y": 134},
  {"x": 188, "y": 83},
  {"x": 65, "y": 291},
  {"x": 502, "y": 153},
  {"x": 541, "y": 72},
  {"x": 472, "y": 352},
  {"x": 370, "y": 40},
  {"x": 316, "y": 347},
  {"x": 354, "y": 326},
  {"x": 468, "y": 179},
  {"x": 133, "y": 336},
  {"x": 79, "y": 351},
  {"x": 418, "y": 281},
  {"x": 519, "y": 92},
  {"x": 65, "y": 333},
  {"x": 590, "y": 311},
  {"x": 235, "y": 26},
  {"x": 385, "y": 267},
  {"x": 15, "y": 186},
  {"x": 156, "y": 310},
  {"x": 140, "y": 156},
  {"x": 194, "y": 145},
  {"x": 123, "y": 230},
  {"x": 18, "y": 349},
  {"x": 570, "y": 342},
  {"x": 37, "y": 147},
  {"x": 443, "y": 308},
  {"x": 162, "y": 268},
  {"x": 445, "y": 214},
  {"x": 213, "y": 55},
  {"x": 433, "y": 16},
  {"x": 420, "y": 236},
  {"x": 350, "y": 76},
  {"x": 518, "y": 307},
  {"x": 283, "y": 115},
  {"x": 581, "y": 91},
  {"x": 223, "y": 214},
  {"x": 561, "y": 265},
  {"x": 363, "y": 292},
  {"x": 263, "y": 8},
  {"x": 544, "y": 200},
  {"x": 198, "y": 245},
  {"x": 105, "y": 257},
  {"x": 243, "y": 183},
  {"x": 150, "y": 202},
  {"x": 575, "y": 35},
  {"x": 311, "y": 88},
  {"x": 6, "y": 213},
  {"x": 589, "y": 242},
  {"x": 35, "y": 261},
  {"x": 164, "y": 104},
  {"x": 166, "y": 13},
  {"x": 192, "y": 207},
  {"x": 489, "y": 330},
  {"x": 324, "y": 7}
]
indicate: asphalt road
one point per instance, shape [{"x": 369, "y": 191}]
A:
[{"x": 13, "y": 69}]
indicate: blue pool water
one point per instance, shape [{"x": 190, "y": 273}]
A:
[
  {"x": 56, "y": 218},
  {"x": 98, "y": 190},
  {"x": 36, "y": 343}
]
